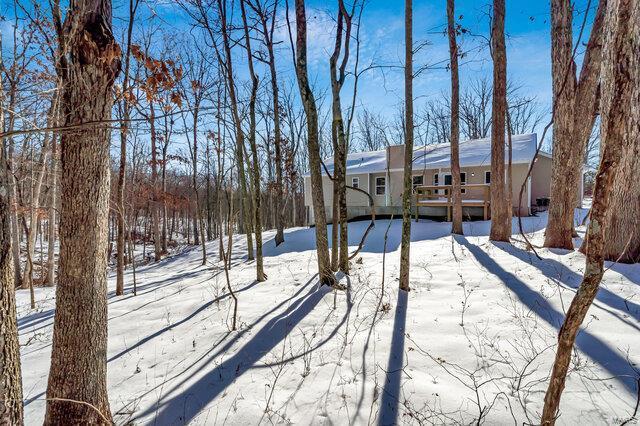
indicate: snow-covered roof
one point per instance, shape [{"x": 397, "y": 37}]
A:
[{"x": 473, "y": 153}]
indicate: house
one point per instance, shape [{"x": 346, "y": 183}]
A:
[{"x": 380, "y": 173}]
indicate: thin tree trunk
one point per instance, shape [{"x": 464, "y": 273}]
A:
[
  {"x": 36, "y": 186},
  {"x": 308, "y": 101},
  {"x": 124, "y": 128},
  {"x": 89, "y": 63},
  {"x": 456, "y": 227},
  {"x": 620, "y": 136},
  {"x": 500, "y": 217},
  {"x": 260, "y": 275},
  {"x": 53, "y": 183},
  {"x": 408, "y": 147},
  {"x": 242, "y": 180},
  {"x": 11, "y": 410}
]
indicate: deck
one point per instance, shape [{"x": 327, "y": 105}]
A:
[{"x": 474, "y": 195}]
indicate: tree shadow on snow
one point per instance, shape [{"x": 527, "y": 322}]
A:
[
  {"x": 390, "y": 401},
  {"x": 185, "y": 405},
  {"x": 304, "y": 239},
  {"x": 609, "y": 359},
  {"x": 560, "y": 272}
]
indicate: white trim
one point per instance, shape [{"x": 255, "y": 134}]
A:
[
  {"x": 376, "y": 186},
  {"x": 355, "y": 182},
  {"x": 528, "y": 195}
]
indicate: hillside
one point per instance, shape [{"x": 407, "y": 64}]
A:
[{"x": 474, "y": 338}]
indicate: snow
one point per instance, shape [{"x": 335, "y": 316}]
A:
[
  {"x": 362, "y": 162},
  {"x": 473, "y": 153},
  {"x": 479, "y": 324}
]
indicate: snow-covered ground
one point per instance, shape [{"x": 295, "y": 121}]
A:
[{"x": 474, "y": 338}]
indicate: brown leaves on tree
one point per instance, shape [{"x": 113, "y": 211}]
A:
[{"x": 161, "y": 81}]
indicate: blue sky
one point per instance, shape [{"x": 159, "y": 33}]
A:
[
  {"x": 382, "y": 35},
  {"x": 382, "y": 43}
]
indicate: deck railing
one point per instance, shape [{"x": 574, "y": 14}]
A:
[{"x": 473, "y": 195}]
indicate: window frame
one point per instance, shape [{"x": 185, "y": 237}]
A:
[
  {"x": 355, "y": 182},
  {"x": 462, "y": 182},
  {"x": 383, "y": 186},
  {"x": 413, "y": 182}
]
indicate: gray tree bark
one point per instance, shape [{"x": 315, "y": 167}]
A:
[
  {"x": 89, "y": 62},
  {"x": 500, "y": 211},
  {"x": 308, "y": 101},
  {"x": 408, "y": 147},
  {"x": 456, "y": 226},
  {"x": 620, "y": 136}
]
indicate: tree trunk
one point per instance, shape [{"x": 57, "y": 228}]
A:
[
  {"x": 456, "y": 227},
  {"x": 11, "y": 411},
  {"x": 279, "y": 238},
  {"x": 308, "y": 101},
  {"x": 155, "y": 214},
  {"x": 408, "y": 147},
  {"x": 260, "y": 275},
  {"x": 36, "y": 187},
  {"x": 124, "y": 128},
  {"x": 620, "y": 136},
  {"x": 51, "y": 240},
  {"x": 89, "y": 62},
  {"x": 500, "y": 211},
  {"x": 623, "y": 218},
  {"x": 230, "y": 79},
  {"x": 573, "y": 117}
]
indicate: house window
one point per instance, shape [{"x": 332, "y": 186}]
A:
[
  {"x": 435, "y": 179},
  {"x": 355, "y": 182},
  {"x": 418, "y": 181},
  {"x": 381, "y": 185},
  {"x": 463, "y": 180},
  {"x": 487, "y": 177}
]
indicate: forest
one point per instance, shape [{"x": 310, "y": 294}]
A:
[{"x": 319, "y": 212}]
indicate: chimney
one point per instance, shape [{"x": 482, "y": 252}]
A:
[{"x": 395, "y": 156}]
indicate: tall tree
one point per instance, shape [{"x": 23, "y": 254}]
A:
[
  {"x": 124, "y": 129},
  {"x": 11, "y": 411},
  {"x": 311, "y": 111},
  {"x": 456, "y": 226},
  {"x": 88, "y": 64},
  {"x": 227, "y": 65},
  {"x": 408, "y": 146},
  {"x": 268, "y": 23},
  {"x": 620, "y": 137},
  {"x": 339, "y": 138},
  {"x": 574, "y": 113},
  {"x": 257, "y": 199},
  {"x": 500, "y": 210}
]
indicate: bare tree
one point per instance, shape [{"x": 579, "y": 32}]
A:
[
  {"x": 620, "y": 134},
  {"x": 267, "y": 19},
  {"x": 339, "y": 139},
  {"x": 11, "y": 411},
  {"x": 257, "y": 200},
  {"x": 124, "y": 129},
  {"x": 89, "y": 62},
  {"x": 408, "y": 147},
  {"x": 308, "y": 101},
  {"x": 574, "y": 103},
  {"x": 456, "y": 227},
  {"x": 227, "y": 65},
  {"x": 500, "y": 210}
]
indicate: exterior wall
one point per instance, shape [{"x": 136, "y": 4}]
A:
[
  {"x": 541, "y": 179},
  {"x": 391, "y": 202}
]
